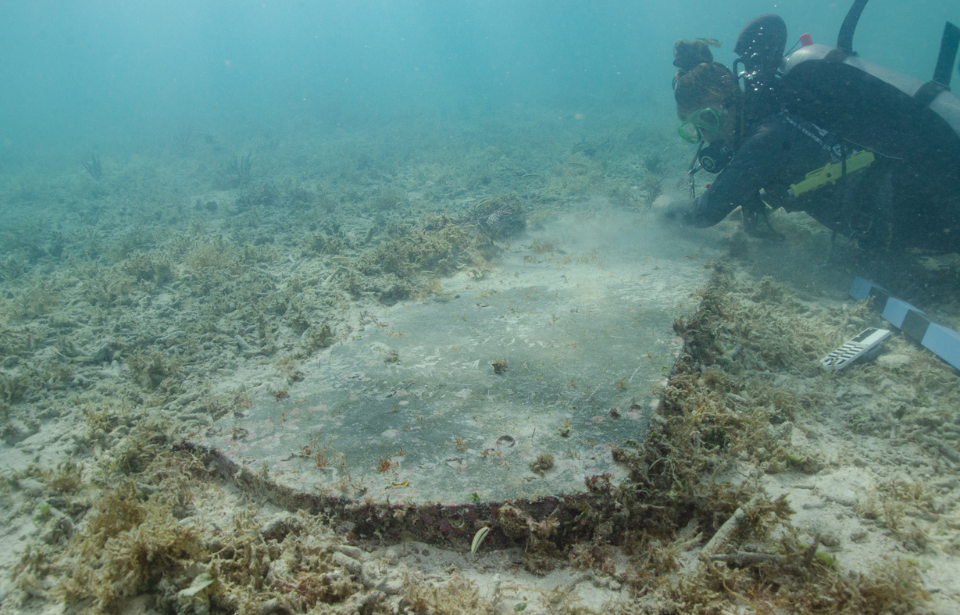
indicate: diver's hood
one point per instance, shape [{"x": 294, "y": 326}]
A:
[{"x": 761, "y": 43}]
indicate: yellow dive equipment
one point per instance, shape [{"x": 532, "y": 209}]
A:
[{"x": 830, "y": 173}]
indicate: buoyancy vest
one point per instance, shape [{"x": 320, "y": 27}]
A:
[{"x": 874, "y": 107}]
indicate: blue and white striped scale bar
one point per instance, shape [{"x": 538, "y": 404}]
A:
[{"x": 941, "y": 341}]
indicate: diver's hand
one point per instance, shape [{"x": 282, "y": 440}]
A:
[{"x": 672, "y": 210}]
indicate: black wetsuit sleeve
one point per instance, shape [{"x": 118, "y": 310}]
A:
[{"x": 756, "y": 162}]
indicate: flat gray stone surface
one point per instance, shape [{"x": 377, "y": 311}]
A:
[{"x": 411, "y": 408}]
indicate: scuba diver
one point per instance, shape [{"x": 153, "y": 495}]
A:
[{"x": 871, "y": 154}]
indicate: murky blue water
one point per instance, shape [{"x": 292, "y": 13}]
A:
[{"x": 115, "y": 73}]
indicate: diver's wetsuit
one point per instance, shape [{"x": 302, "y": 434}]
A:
[{"x": 889, "y": 204}]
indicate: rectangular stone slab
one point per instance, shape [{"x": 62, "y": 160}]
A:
[{"x": 414, "y": 410}]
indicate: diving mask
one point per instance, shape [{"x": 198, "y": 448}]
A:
[{"x": 707, "y": 119}]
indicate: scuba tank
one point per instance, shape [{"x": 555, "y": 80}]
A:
[
  {"x": 876, "y": 108},
  {"x": 876, "y": 114}
]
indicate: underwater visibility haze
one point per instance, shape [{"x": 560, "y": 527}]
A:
[
  {"x": 366, "y": 306},
  {"x": 84, "y": 73}
]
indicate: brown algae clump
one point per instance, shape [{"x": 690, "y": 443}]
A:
[{"x": 542, "y": 464}]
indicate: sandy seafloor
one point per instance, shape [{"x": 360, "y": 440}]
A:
[{"x": 139, "y": 307}]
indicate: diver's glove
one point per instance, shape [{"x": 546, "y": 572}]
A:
[{"x": 677, "y": 211}]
